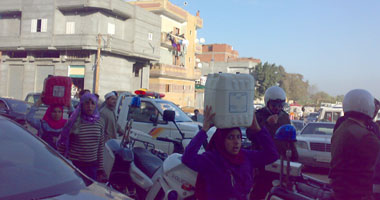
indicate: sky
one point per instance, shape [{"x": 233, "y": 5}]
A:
[{"x": 334, "y": 44}]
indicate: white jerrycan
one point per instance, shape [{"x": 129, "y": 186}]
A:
[{"x": 231, "y": 97}]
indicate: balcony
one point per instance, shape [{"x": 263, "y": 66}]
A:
[
  {"x": 165, "y": 70},
  {"x": 165, "y": 42}
]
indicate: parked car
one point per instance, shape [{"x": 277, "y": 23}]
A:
[
  {"x": 314, "y": 144},
  {"x": 33, "y": 97},
  {"x": 14, "y": 109},
  {"x": 312, "y": 117},
  {"x": 31, "y": 169},
  {"x": 298, "y": 124}
]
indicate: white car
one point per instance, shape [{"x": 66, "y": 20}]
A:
[
  {"x": 149, "y": 123},
  {"x": 314, "y": 144}
]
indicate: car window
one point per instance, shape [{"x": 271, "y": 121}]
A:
[
  {"x": 30, "y": 169},
  {"x": 146, "y": 113},
  {"x": 3, "y": 106},
  {"x": 318, "y": 129},
  {"x": 30, "y": 99},
  {"x": 19, "y": 106},
  {"x": 180, "y": 116},
  {"x": 298, "y": 125},
  {"x": 328, "y": 116},
  {"x": 336, "y": 115}
]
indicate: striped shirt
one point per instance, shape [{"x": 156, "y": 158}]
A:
[{"x": 88, "y": 145}]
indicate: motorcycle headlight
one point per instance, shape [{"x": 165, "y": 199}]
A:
[{"x": 302, "y": 145}]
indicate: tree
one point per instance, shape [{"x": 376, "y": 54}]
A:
[
  {"x": 295, "y": 87},
  {"x": 266, "y": 75},
  {"x": 339, "y": 98},
  {"x": 320, "y": 97}
]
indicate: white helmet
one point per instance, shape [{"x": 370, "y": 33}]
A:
[
  {"x": 274, "y": 93},
  {"x": 361, "y": 101}
]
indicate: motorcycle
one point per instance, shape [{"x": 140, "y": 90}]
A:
[
  {"x": 145, "y": 174},
  {"x": 151, "y": 174},
  {"x": 294, "y": 185}
]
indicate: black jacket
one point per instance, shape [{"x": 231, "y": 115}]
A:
[{"x": 262, "y": 116}]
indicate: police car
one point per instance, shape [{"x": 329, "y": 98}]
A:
[{"x": 148, "y": 119}]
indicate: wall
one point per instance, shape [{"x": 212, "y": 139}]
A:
[
  {"x": 10, "y": 24},
  {"x": 180, "y": 91}
]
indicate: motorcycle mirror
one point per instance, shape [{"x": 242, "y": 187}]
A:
[{"x": 169, "y": 115}]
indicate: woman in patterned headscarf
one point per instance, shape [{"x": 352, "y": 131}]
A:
[{"x": 82, "y": 139}]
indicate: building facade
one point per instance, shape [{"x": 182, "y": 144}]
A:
[
  {"x": 217, "y": 58},
  {"x": 82, "y": 39},
  {"x": 176, "y": 71}
]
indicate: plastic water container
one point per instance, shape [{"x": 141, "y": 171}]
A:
[
  {"x": 231, "y": 97},
  {"x": 57, "y": 91}
]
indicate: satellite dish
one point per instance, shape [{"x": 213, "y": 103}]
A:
[
  {"x": 185, "y": 3},
  {"x": 197, "y": 40},
  {"x": 199, "y": 65},
  {"x": 202, "y": 40}
]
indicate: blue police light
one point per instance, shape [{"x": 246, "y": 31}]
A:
[
  {"x": 136, "y": 102},
  {"x": 286, "y": 133}
]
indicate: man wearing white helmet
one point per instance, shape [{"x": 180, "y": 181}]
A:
[
  {"x": 355, "y": 147},
  {"x": 272, "y": 117}
]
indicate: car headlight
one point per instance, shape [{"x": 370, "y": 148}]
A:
[{"x": 302, "y": 145}]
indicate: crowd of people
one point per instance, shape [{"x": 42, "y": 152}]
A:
[
  {"x": 225, "y": 170},
  {"x": 81, "y": 138}
]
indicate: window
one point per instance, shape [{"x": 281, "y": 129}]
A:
[
  {"x": 3, "y": 106},
  {"x": 167, "y": 88},
  {"x": 210, "y": 48},
  {"x": 111, "y": 28},
  {"x": 150, "y": 36},
  {"x": 39, "y": 25},
  {"x": 176, "y": 31},
  {"x": 70, "y": 27},
  {"x": 17, "y": 54},
  {"x": 136, "y": 69},
  {"x": 146, "y": 113}
]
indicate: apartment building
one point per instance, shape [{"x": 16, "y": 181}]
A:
[
  {"x": 176, "y": 71},
  {"x": 103, "y": 45}
]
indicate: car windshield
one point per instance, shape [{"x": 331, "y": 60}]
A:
[
  {"x": 298, "y": 125},
  {"x": 313, "y": 115},
  {"x": 318, "y": 129},
  {"x": 32, "y": 170},
  {"x": 18, "y": 106},
  {"x": 180, "y": 116}
]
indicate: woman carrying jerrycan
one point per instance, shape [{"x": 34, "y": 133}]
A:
[{"x": 225, "y": 169}]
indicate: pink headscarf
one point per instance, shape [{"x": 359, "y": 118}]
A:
[{"x": 53, "y": 123}]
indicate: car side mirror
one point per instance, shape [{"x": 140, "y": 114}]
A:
[{"x": 169, "y": 115}]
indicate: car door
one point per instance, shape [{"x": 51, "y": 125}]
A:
[{"x": 149, "y": 120}]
